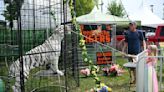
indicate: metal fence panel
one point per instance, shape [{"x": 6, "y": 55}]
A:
[{"x": 31, "y": 40}]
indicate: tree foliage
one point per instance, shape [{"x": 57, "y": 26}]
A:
[
  {"x": 12, "y": 8},
  {"x": 116, "y": 9},
  {"x": 84, "y": 6}
]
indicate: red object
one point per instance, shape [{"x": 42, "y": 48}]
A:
[
  {"x": 112, "y": 68},
  {"x": 104, "y": 58},
  {"x": 159, "y": 35},
  {"x": 120, "y": 37},
  {"x": 85, "y": 72}
]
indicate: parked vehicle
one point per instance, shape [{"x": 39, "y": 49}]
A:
[
  {"x": 151, "y": 37},
  {"x": 158, "y": 37}
]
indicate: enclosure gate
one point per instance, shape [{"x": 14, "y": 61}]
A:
[{"x": 28, "y": 25}]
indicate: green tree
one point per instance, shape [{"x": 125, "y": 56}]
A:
[
  {"x": 84, "y": 6},
  {"x": 11, "y": 11},
  {"x": 116, "y": 9}
]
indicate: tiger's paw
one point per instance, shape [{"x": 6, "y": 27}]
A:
[
  {"x": 60, "y": 73},
  {"x": 15, "y": 89}
]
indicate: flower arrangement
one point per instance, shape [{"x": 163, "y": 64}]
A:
[{"x": 113, "y": 70}]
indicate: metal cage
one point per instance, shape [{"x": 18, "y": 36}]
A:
[{"x": 27, "y": 25}]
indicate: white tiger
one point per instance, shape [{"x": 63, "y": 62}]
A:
[{"x": 53, "y": 43}]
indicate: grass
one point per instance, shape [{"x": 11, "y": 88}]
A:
[
  {"x": 118, "y": 83},
  {"x": 50, "y": 84}
]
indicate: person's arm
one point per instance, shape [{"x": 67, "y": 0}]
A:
[
  {"x": 144, "y": 44},
  {"x": 124, "y": 47},
  {"x": 143, "y": 41},
  {"x": 128, "y": 55}
]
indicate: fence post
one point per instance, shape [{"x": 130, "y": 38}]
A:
[
  {"x": 22, "y": 87},
  {"x": 140, "y": 71},
  {"x": 65, "y": 44}
]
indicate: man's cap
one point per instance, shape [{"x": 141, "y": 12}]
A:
[{"x": 132, "y": 23}]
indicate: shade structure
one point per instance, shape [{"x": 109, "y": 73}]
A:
[
  {"x": 97, "y": 17},
  {"x": 147, "y": 17}
]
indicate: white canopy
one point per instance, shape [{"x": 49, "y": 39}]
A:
[
  {"x": 146, "y": 17},
  {"x": 96, "y": 16}
]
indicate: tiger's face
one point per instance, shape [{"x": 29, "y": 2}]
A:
[{"x": 59, "y": 31}]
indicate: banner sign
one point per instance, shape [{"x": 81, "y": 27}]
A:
[
  {"x": 100, "y": 33},
  {"x": 104, "y": 57}
]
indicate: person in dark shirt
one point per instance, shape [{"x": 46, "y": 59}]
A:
[{"x": 133, "y": 41}]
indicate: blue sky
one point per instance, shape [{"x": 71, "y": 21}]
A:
[{"x": 130, "y": 5}]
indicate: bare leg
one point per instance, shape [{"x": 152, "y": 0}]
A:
[{"x": 133, "y": 76}]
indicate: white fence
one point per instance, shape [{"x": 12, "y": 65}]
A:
[
  {"x": 143, "y": 84},
  {"x": 140, "y": 72}
]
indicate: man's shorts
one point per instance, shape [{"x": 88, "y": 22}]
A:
[
  {"x": 130, "y": 59},
  {"x": 130, "y": 64}
]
